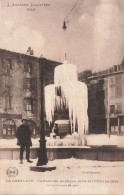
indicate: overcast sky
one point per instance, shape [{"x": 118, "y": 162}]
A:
[{"x": 94, "y": 38}]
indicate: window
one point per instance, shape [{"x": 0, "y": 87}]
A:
[
  {"x": 112, "y": 81},
  {"x": 112, "y": 93},
  {"x": 29, "y": 83},
  {"x": 119, "y": 108},
  {"x": 9, "y": 64},
  {"x": 118, "y": 87},
  {"x": 32, "y": 127},
  {"x": 9, "y": 128},
  {"x": 8, "y": 102},
  {"x": 112, "y": 109},
  {"x": 28, "y": 68},
  {"x": 28, "y": 104}
]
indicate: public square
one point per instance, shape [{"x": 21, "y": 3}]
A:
[{"x": 62, "y": 97}]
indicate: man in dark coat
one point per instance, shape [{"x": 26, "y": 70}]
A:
[{"x": 24, "y": 140}]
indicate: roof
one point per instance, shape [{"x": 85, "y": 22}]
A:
[
  {"x": 13, "y": 52},
  {"x": 122, "y": 63},
  {"x": 31, "y": 56},
  {"x": 105, "y": 75}
]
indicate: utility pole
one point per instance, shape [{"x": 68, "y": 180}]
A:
[{"x": 42, "y": 156}]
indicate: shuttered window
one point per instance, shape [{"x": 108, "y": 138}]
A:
[
  {"x": 118, "y": 87},
  {"x": 9, "y": 128},
  {"x": 112, "y": 93},
  {"x": 4, "y": 63},
  {"x": 28, "y": 103},
  {"x": 112, "y": 109},
  {"x": 28, "y": 68},
  {"x": 112, "y": 82},
  {"x": 29, "y": 83},
  {"x": 119, "y": 108},
  {"x": 8, "y": 102},
  {"x": 7, "y": 64}
]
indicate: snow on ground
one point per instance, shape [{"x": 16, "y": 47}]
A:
[
  {"x": 72, "y": 176},
  {"x": 103, "y": 139},
  {"x": 93, "y": 139}
]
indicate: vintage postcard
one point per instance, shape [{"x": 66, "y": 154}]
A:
[{"x": 61, "y": 97}]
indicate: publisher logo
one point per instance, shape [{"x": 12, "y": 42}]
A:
[{"x": 12, "y": 172}]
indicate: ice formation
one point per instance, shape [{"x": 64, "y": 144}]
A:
[
  {"x": 73, "y": 96},
  {"x": 64, "y": 73},
  {"x": 49, "y": 102}
]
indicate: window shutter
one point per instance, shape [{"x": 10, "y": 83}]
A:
[
  {"x": 35, "y": 105},
  {"x": 25, "y": 102},
  {"x": 33, "y": 84},
  {"x": 119, "y": 108},
  {"x": 30, "y": 65},
  {"x": 30, "y": 83},
  {"x": 10, "y": 102},
  {"x": 25, "y": 67},
  {"x": 6, "y": 102},
  {"x": 112, "y": 109},
  {"x": 11, "y": 64},
  {"x": 4, "y": 63},
  {"x": 24, "y": 83},
  {"x": 31, "y": 101},
  {"x": 118, "y": 87}
]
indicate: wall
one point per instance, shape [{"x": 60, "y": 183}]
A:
[
  {"x": 106, "y": 97},
  {"x": 13, "y": 88},
  {"x": 96, "y": 107},
  {"x": 20, "y": 90}
]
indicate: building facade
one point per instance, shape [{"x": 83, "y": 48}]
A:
[
  {"x": 20, "y": 90},
  {"x": 106, "y": 100}
]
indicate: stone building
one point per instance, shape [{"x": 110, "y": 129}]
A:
[
  {"x": 20, "y": 90},
  {"x": 106, "y": 100}
]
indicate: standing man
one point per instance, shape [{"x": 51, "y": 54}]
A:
[{"x": 24, "y": 140}]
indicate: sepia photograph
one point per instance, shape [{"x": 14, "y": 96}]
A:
[{"x": 61, "y": 97}]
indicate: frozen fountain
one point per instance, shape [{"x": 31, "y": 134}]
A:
[{"x": 73, "y": 96}]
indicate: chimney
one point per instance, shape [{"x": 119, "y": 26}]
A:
[{"x": 32, "y": 52}]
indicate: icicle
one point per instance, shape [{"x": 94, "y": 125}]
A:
[
  {"x": 77, "y": 103},
  {"x": 49, "y": 102},
  {"x": 73, "y": 96}
]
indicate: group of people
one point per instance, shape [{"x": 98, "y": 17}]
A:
[{"x": 23, "y": 135}]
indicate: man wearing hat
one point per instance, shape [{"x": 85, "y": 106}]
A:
[{"x": 24, "y": 140}]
